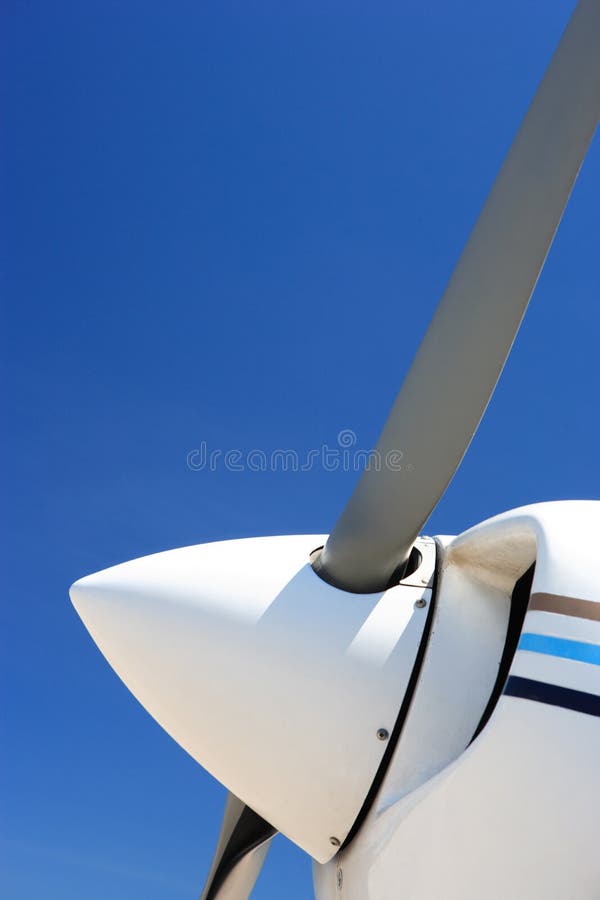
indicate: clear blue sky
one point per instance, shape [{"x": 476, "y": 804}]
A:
[{"x": 231, "y": 222}]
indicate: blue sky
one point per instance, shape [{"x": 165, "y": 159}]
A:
[{"x": 231, "y": 222}]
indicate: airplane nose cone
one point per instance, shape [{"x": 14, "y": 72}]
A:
[{"x": 273, "y": 680}]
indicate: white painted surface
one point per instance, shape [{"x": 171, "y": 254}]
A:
[
  {"x": 273, "y": 680},
  {"x": 564, "y": 536},
  {"x": 517, "y": 813},
  {"x": 457, "y": 676},
  {"x": 515, "y": 817},
  {"x": 556, "y": 625},
  {"x": 569, "y": 673}
]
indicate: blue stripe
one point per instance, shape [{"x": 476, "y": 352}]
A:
[{"x": 555, "y": 646}]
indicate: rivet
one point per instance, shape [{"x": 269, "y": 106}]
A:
[
  {"x": 420, "y": 604},
  {"x": 383, "y": 734},
  {"x": 335, "y": 842}
]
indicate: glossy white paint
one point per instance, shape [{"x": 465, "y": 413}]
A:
[
  {"x": 515, "y": 814},
  {"x": 456, "y": 679},
  {"x": 556, "y": 625},
  {"x": 273, "y": 680}
]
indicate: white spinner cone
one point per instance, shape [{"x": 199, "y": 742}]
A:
[{"x": 273, "y": 680}]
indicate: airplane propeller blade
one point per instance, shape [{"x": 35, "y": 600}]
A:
[
  {"x": 243, "y": 844},
  {"x": 466, "y": 345}
]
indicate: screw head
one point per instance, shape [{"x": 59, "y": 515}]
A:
[
  {"x": 335, "y": 842},
  {"x": 421, "y": 604},
  {"x": 382, "y": 734}
]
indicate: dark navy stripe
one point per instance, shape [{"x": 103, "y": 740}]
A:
[{"x": 528, "y": 689}]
